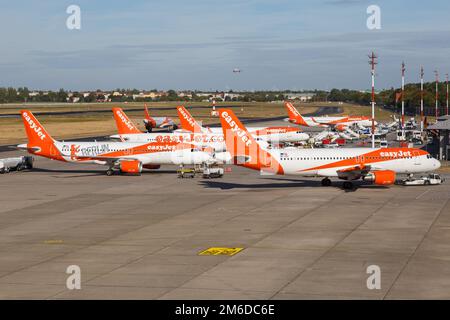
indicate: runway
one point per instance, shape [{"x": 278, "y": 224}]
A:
[{"x": 140, "y": 237}]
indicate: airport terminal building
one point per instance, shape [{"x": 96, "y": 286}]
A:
[{"x": 441, "y": 137}]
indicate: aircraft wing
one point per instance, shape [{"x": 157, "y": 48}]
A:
[
  {"x": 109, "y": 160},
  {"x": 355, "y": 172}
]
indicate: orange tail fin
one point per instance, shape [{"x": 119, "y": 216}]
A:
[
  {"x": 149, "y": 119},
  {"x": 243, "y": 148},
  {"x": 188, "y": 122},
  {"x": 294, "y": 115},
  {"x": 39, "y": 141},
  {"x": 124, "y": 124}
]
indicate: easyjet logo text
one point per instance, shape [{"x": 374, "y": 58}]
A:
[
  {"x": 161, "y": 148},
  {"x": 193, "y": 137},
  {"x": 293, "y": 110},
  {"x": 33, "y": 126},
  {"x": 396, "y": 154},
  {"x": 187, "y": 117},
  {"x": 124, "y": 120},
  {"x": 235, "y": 128}
]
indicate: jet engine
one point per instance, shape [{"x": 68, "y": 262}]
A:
[
  {"x": 382, "y": 177},
  {"x": 130, "y": 166},
  {"x": 149, "y": 125}
]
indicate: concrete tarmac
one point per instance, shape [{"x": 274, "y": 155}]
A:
[{"x": 140, "y": 237}]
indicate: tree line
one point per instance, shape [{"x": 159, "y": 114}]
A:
[
  {"x": 12, "y": 95},
  {"x": 388, "y": 98},
  {"x": 391, "y": 98}
]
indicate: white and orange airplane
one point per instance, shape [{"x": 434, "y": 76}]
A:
[
  {"x": 157, "y": 122},
  {"x": 269, "y": 134},
  {"x": 379, "y": 166},
  {"x": 340, "y": 123},
  {"x": 127, "y": 131},
  {"x": 207, "y": 140},
  {"x": 124, "y": 157}
]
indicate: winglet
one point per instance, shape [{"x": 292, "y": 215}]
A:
[
  {"x": 243, "y": 148},
  {"x": 294, "y": 115},
  {"x": 188, "y": 122},
  {"x": 124, "y": 124}
]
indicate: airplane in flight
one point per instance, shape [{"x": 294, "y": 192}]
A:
[
  {"x": 378, "y": 166},
  {"x": 269, "y": 134},
  {"x": 157, "y": 122},
  {"x": 123, "y": 157},
  {"x": 342, "y": 123}
]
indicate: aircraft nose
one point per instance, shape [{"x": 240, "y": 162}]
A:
[{"x": 437, "y": 164}]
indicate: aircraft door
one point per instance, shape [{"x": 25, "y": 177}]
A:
[{"x": 416, "y": 158}]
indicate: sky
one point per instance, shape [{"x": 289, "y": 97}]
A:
[{"x": 178, "y": 44}]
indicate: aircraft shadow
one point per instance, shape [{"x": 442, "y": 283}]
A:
[
  {"x": 90, "y": 173},
  {"x": 338, "y": 183},
  {"x": 290, "y": 183},
  {"x": 72, "y": 173},
  {"x": 229, "y": 185}
]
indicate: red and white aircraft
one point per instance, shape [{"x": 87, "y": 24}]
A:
[
  {"x": 126, "y": 157},
  {"x": 157, "y": 122},
  {"x": 340, "y": 123},
  {"x": 269, "y": 134},
  {"x": 378, "y": 166}
]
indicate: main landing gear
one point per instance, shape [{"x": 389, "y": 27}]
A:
[
  {"x": 326, "y": 182},
  {"x": 348, "y": 185}
]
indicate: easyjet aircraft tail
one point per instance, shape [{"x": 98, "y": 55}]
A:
[
  {"x": 294, "y": 115},
  {"x": 39, "y": 140},
  {"x": 244, "y": 150},
  {"x": 187, "y": 121},
  {"x": 149, "y": 119},
  {"x": 124, "y": 124}
]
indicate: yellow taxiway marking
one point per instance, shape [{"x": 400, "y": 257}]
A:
[
  {"x": 53, "y": 241},
  {"x": 216, "y": 251}
]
